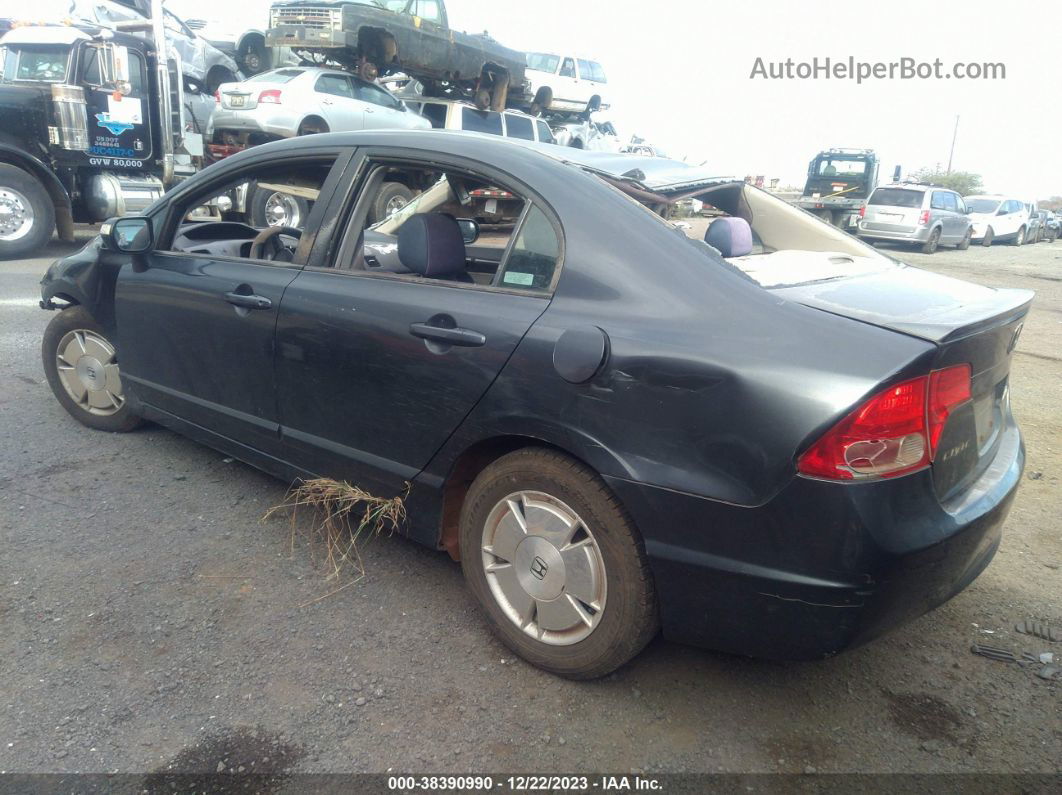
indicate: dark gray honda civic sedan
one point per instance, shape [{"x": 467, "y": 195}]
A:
[{"x": 773, "y": 440}]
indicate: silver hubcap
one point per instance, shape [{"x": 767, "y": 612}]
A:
[
  {"x": 544, "y": 568},
  {"x": 16, "y": 214},
  {"x": 394, "y": 204},
  {"x": 282, "y": 210},
  {"x": 88, "y": 369}
]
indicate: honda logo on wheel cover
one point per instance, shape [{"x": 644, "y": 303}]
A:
[{"x": 539, "y": 568}]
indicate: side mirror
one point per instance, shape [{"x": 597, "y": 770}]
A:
[
  {"x": 469, "y": 230},
  {"x": 131, "y": 235},
  {"x": 1002, "y": 211}
]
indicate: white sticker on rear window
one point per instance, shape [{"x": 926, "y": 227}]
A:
[{"x": 523, "y": 279}]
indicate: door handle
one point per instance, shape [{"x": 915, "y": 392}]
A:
[
  {"x": 369, "y": 110},
  {"x": 463, "y": 337},
  {"x": 326, "y": 102},
  {"x": 248, "y": 301}
]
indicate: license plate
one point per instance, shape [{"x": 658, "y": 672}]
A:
[
  {"x": 852, "y": 220},
  {"x": 236, "y": 102}
]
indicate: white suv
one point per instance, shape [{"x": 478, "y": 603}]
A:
[
  {"x": 565, "y": 83},
  {"x": 998, "y": 218}
]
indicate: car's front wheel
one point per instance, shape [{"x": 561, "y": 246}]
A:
[
  {"x": 81, "y": 365},
  {"x": 557, "y": 564},
  {"x": 965, "y": 242},
  {"x": 986, "y": 241},
  {"x": 1019, "y": 239}
]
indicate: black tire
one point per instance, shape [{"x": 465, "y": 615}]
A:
[
  {"x": 593, "y": 106},
  {"x": 965, "y": 244},
  {"x": 628, "y": 620},
  {"x": 28, "y": 188},
  {"x": 260, "y": 215},
  {"x": 254, "y": 57},
  {"x": 391, "y": 194},
  {"x": 986, "y": 241},
  {"x": 65, "y": 322},
  {"x": 481, "y": 99},
  {"x": 1019, "y": 238},
  {"x": 930, "y": 246}
]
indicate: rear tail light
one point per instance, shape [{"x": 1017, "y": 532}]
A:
[
  {"x": 892, "y": 433},
  {"x": 217, "y": 96},
  {"x": 948, "y": 389},
  {"x": 923, "y": 219},
  {"x": 863, "y": 211},
  {"x": 270, "y": 97}
]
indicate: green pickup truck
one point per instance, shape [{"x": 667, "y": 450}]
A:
[{"x": 381, "y": 37}]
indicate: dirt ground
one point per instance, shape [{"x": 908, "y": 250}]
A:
[{"x": 151, "y": 621}]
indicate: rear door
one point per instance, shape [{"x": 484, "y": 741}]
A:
[
  {"x": 340, "y": 107},
  {"x": 376, "y": 370}
]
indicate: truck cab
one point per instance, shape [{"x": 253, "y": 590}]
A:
[
  {"x": 839, "y": 183},
  {"x": 91, "y": 125}
]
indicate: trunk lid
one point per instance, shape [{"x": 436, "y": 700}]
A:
[{"x": 969, "y": 324}]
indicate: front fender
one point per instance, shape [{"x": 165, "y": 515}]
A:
[{"x": 86, "y": 278}]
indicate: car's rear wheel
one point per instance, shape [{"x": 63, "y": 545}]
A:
[
  {"x": 931, "y": 245},
  {"x": 986, "y": 241},
  {"x": 965, "y": 244},
  {"x": 81, "y": 365},
  {"x": 557, "y": 564},
  {"x": 27, "y": 216}
]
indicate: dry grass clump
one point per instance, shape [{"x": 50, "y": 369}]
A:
[{"x": 343, "y": 515}]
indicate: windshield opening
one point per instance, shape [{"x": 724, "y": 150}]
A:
[
  {"x": 277, "y": 76},
  {"x": 542, "y": 62},
  {"x": 37, "y": 63},
  {"x": 896, "y": 197},
  {"x": 841, "y": 167},
  {"x": 982, "y": 205}
]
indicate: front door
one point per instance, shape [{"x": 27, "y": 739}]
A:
[
  {"x": 196, "y": 317},
  {"x": 377, "y": 363},
  {"x": 119, "y": 125}
]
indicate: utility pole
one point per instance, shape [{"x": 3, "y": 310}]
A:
[{"x": 954, "y": 135}]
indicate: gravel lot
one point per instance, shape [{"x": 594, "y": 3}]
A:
[{"x": 151, "y": 621}]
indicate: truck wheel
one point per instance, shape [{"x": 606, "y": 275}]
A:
[
  {"x": 481, "y": 99},
  {"x": 27, "y": 216},
  {"x": 272, "y": 208},
  {"x": 367, "y": 71},
  {"x": 255, "y": 57},
  {"x": 594, "y": 105},
  {"x": 986, "y": 241},
  {"x": 393, "y": 196},
  {"x": 930, "y": 245},
  {"x": 825, "y": 215},
  {"x": 82, "y": 369}
]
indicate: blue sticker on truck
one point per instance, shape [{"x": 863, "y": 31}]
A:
[{"x": 105, "y": 121}]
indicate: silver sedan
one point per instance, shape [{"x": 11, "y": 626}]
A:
[{"x": 283, "y": 103}]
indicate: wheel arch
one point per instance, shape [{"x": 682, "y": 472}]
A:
[
  {"x": 248, "y": 37},
  {"x": 313, "y": 117},
  {"x": 64, "y": 219},
  {"x": 476, "y": 457}
]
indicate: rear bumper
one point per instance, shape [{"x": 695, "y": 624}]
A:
[
  {"x": 873, "y": 231},
  {"x": 258, "y": 120},
  {"x": 822, "y": 566}
]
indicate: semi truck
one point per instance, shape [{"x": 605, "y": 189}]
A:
[{"x": 93, "y": 127}]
